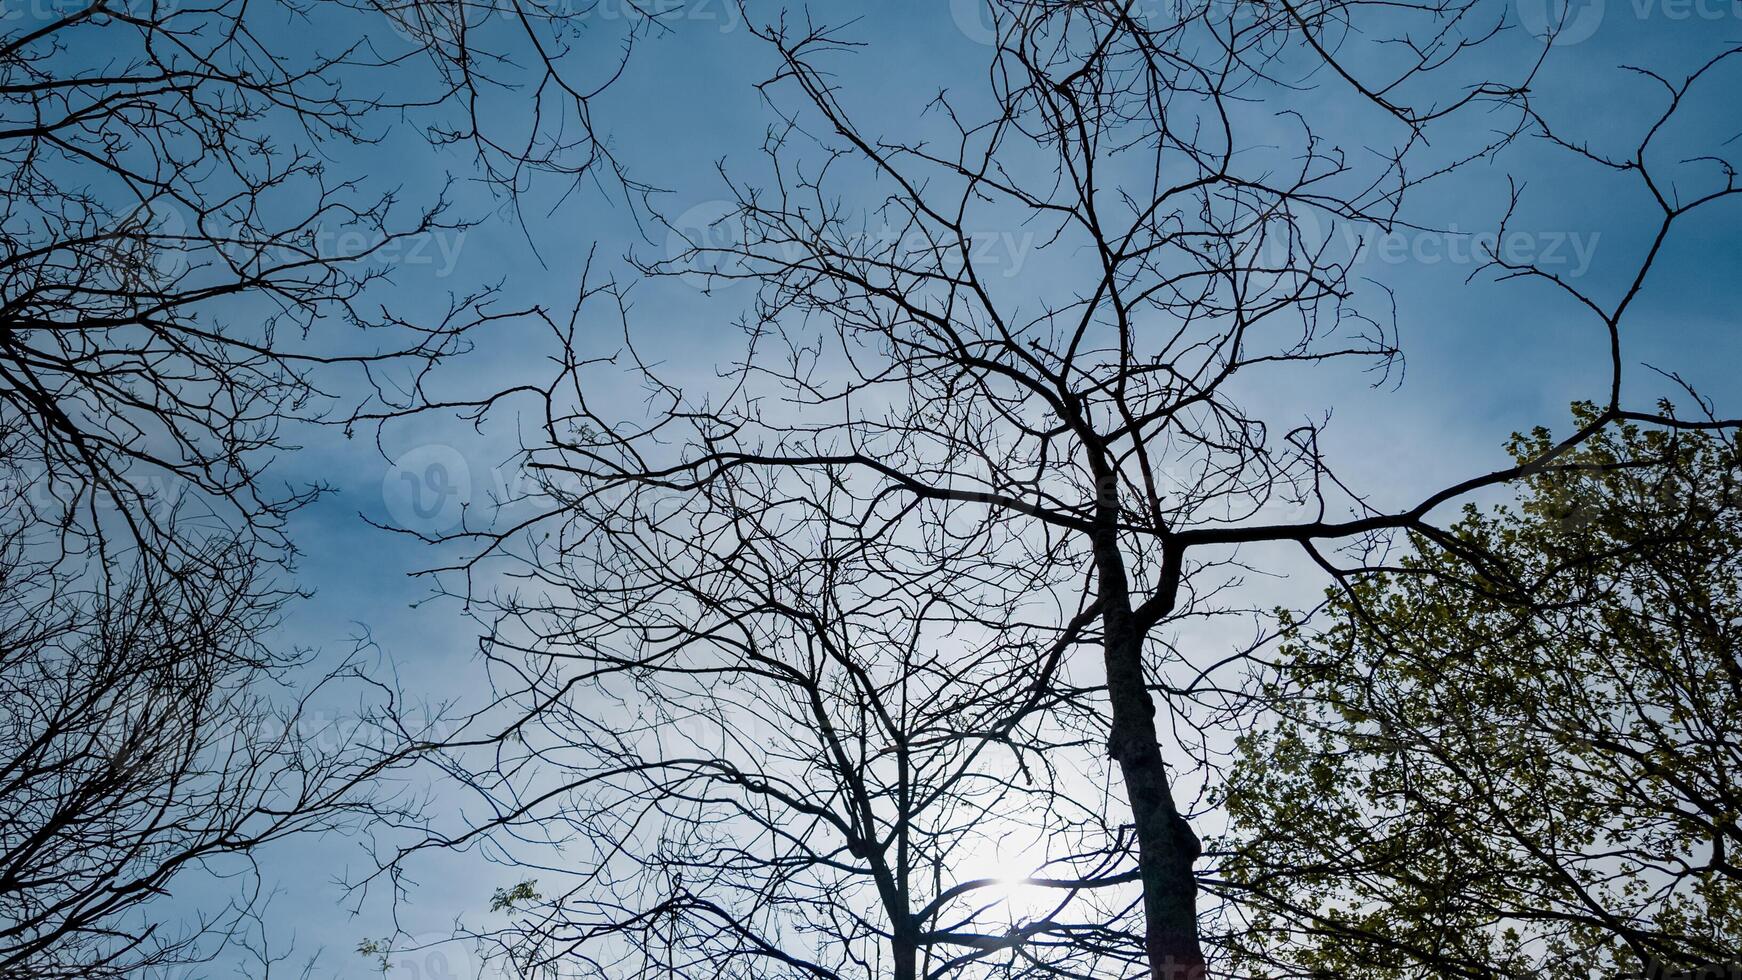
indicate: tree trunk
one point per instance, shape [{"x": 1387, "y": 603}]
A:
[
  {"x": 905, "y": 954},
  {"x": 1166, "y": 846}
]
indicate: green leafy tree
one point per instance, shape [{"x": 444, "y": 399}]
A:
[{"x": 1515, "y": 752}]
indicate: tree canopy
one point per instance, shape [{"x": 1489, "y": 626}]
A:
[{"x": 1522, "y": 764}]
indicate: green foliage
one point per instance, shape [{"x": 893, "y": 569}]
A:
[
  {"x": 506, "y": 899},
  {"x": 1516, "y": 753},
  {"x": 379, "y": 951}
]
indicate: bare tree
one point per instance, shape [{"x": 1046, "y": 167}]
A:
[
  {"x": 185, "y": 277},
  {"x": 738, "y": 745},
  {"x": 149, "y": 732},
  {"x": 517, "y": 80},
  {"x": 169, "y": 261},
  {"x": 185, "y": 288},
  {"x": 1090, "y": 431}
]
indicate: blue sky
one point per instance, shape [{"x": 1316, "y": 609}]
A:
[{"x": 1484, "y": 358}]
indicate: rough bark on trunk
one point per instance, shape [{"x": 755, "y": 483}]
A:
[
  {"x": 1166, "y": 846},
  {"x": 906, "y": 956}
]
